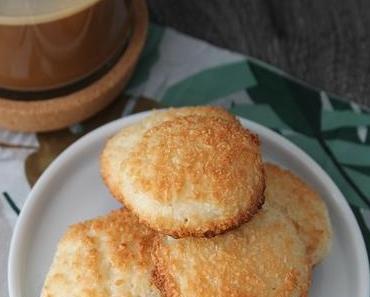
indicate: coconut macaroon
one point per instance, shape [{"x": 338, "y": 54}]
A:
[
  {"x": 304, "y": 206},
  {"x": 264, "y": 257},
  {"x": 107, "y": 256},
  {"x": 197, "y": 175},
  {"x": 118, "y": 147}
]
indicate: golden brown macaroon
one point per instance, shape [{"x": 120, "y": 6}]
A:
[
  {"x": 304, "y": 206},
  {"x": 264, "y": 258},
  {"x": 117, "y": 148},
  {"x": 117, "y": 152},
  {"x": 108, "y": 256},
  {"x": 193, "y": 176}
]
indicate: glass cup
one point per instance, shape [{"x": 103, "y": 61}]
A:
[{"x": 46, "y": 44}]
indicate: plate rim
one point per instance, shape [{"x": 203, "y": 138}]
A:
[{"x": 31, "y": 203}]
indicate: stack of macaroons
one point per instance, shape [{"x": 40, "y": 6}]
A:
[{"x": 203, "y": 217}]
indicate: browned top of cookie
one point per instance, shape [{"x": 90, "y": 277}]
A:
[
  {"x": 107, "y": 256},
  {"x": 117, "y": 148},
  {"x": 264, "y": 257},
  {"x": 304, "y": 206},
  {"x": 194, "y": 176}
]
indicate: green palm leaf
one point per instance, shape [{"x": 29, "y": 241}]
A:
[
  {"x": 300, "y": 107},
  {"x": 210, "y": 84}
]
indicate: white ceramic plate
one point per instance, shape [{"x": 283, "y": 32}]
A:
[{"x": 71, "y": 190}]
